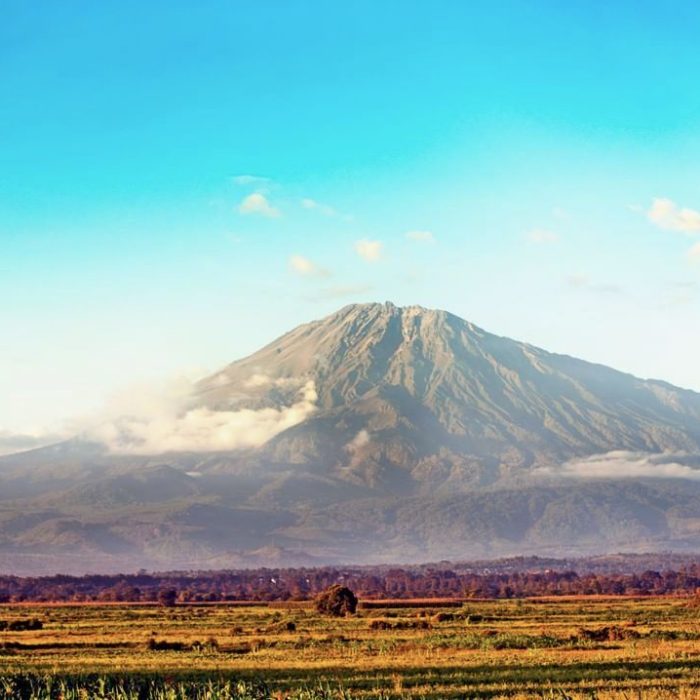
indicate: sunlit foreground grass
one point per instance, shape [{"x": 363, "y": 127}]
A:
[{"x": 585, "y": 648}]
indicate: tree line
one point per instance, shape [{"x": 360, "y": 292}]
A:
[{"x": 288, "y": 584}]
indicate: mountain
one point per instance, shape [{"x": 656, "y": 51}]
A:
[
  {"x": 377, "y": 433},
  {"x": 440, "y": 400}
]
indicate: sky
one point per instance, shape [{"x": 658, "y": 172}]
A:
[{"x": 182, "y": 182}]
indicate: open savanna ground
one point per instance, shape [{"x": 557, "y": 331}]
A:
[{"x": 575, "y": 647}]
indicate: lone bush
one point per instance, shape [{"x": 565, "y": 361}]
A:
[
  {"x": 337, "y": 601},
  {"x": 167, "y": 597}
]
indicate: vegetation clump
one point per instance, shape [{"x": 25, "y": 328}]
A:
[
  {"x": 28, "y": 625},
  {"x": 612, "y": 633},
  {"x": 167, "y": 597},
  {"x": 337, "y": 601},
  {"x": 282, "y": 626},
  {"x": 442, "y": 617},
  {"x": 154, "y": 644},
  {"x": 384, "y": 624}
]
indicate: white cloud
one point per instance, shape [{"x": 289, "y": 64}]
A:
[
  {"x": 313, "y": 205},
  {"x": 578, "y": 280},
  {"x": 667, "y": 215},
  {"x": 541, "y": 236},
  {"x": 354, "y": 448},
  {"x": 306, "y": 268},
  {"x": 627, "y": 465},
  {"x": 260, "y": 380},
  {"x": 694, "y": 253},
  {"x": 249, "y": 180},
  {"x": 680, "y": 294},
  {"x": 421, "y": 236},
  {"x": 173, "y": 426},
  {"x": 257, "y": 203},
  {"x": 358, "y": 442},
  {"x": 371, "y": 251}
]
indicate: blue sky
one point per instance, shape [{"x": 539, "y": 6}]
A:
[{"x": 182, "y": 182}]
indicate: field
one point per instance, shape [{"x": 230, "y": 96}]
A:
[{"x": 556, "y": 648}]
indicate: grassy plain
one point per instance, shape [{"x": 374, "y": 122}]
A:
[{"x": 559, "y": 648}]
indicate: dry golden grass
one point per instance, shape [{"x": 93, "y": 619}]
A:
[{"x": 525, "y": 649}]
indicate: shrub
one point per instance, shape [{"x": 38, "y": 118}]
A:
[
  {"x": 163, "y": 645},
  {"x": 613, "y": 633},
  {"x": 167, "y": 597},
  {"x": 210, "y": 645},
  {"x": 21, "y": 625},
  {"x": 380, "y": 625},
  {"x": 442, "y": 617},
  {"x": 336, "y": 600},
  {"x": 282, "y": 626}
]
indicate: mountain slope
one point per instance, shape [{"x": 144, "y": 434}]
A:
[
  {"x": 377, "y": 433},
  {"x": 421, "y": 391}
]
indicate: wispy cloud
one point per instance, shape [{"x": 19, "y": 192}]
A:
[
  {"x": 628, "y": 465},
  {"x": 667, "y": 215},
  {"x": 245, "y": 180},
  {"x": 680, "y": 294},
  {"x": 355, "y": 447},
  {"x": 358, "y": 442},
  {"x": 265, "y": 380},
  {"x": 541, "y": 236},
  {"x": 306, "y": 268},
  {"x": 371, "y": 251},
  {"x": 694, "y": 254},
  {"x": 257, "y": 203},
  {"x": 579, "y": 281},
  {"x": 313, "y": 205},
  {"x": 421, "y": 236}
]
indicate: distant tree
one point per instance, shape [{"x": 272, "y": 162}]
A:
[
  {"x": 167, "y": 597},
  {"x": 336, "y": 600},
  {"x": 694, "y": 601}
]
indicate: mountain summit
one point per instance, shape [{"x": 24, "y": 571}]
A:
[
  {"x": 412, "y": 395},
  {"x": 378, "y": 433}
]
